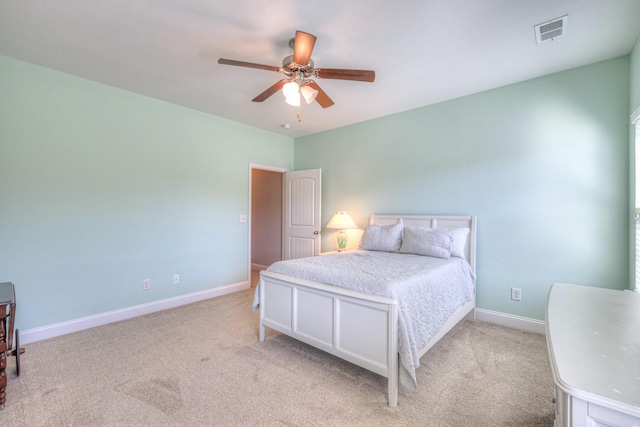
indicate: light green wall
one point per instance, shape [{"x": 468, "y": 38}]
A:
[
  {"x": 101, "y": 188},
  {"x": 543, "y": 164}
]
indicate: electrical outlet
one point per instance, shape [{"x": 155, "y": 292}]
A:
[
  {"x": 146, "y": 284},
  {"x": 516, "y": 294},
  {"x": 243, "y": 218},
  {"x": 176, "y": 279}
]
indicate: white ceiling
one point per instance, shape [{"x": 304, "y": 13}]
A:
[{"x": 423, "y": 51}]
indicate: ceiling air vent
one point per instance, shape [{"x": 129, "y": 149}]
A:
[{"x": 547, "y": 31}]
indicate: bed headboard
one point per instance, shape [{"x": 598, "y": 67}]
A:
[{"x": 436, "y": 221}]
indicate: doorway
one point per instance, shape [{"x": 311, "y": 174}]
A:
[
  {"x": 284, "y": 216},
  {"x": 265, "y": 225}
]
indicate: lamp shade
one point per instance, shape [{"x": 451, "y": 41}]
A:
[{"x": 342, "y": 220}]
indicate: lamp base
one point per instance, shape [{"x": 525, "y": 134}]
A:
[{"x": 342, "y": 240}]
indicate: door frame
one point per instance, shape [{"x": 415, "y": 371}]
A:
[{"x": 253, "y": 166}]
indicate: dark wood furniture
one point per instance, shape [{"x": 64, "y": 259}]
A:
[{"x": 7, "y": 318}]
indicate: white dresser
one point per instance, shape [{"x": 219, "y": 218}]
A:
[{"x": 593, "y": 336}]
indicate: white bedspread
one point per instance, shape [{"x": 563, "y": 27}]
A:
[{"x": 428, "y": 290}]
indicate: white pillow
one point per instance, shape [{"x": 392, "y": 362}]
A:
[
  {"x": 427, "y": 241},
  {"x": 382, "y": 238},
  {"x": 459, "y": 241}
]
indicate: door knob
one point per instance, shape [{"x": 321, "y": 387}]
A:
[{"x": 316, "y": 232}]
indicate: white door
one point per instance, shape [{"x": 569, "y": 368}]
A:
[{"x": 301, "y": 220}]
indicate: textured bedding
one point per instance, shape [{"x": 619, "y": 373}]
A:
[{"x": 428, "y": 290}]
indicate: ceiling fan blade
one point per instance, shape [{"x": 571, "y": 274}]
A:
[
  {"x": 302, "y": 47},
  {"x": 273, "y": 89},
  {"x": 322, "y": 98},
  {"x": 248, "y": 64},
  {"x": 340, "y": 74}
]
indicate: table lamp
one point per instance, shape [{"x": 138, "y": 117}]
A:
[{"x": 342, "y": 221}]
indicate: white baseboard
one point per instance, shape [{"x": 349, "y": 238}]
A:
[
  {"x": 50, "y": 331},
  {"x": 511, "y": 321},
  {"x": 45, "y": 332}
]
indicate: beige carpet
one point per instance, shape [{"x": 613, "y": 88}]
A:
[{"x": 202, "y": 365}]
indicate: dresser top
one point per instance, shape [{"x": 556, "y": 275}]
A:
[
  {"x": 593, "y": 336},
  {"x": 7, "y": 295}
]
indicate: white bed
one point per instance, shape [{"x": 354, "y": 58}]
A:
[{"x": 362, "y": 328}]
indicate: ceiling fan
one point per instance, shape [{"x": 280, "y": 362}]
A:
[{"x": 298, "y": 68}]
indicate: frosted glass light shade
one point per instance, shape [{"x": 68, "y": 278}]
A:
[
  {"x": 308, "y": 93},
  {"x": 293, "y": 100},
  {"x": 290, "y": 90}
]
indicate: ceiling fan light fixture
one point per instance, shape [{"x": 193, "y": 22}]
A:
[
  {"x": 298, "y": 68},
  {"x": 308, "y": 93}
]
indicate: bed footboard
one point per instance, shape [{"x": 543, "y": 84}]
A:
[{"x": 354, "y": 326}]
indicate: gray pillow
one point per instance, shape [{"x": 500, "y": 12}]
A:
[
  {"x": 386, "y": 238},
  {"x": 459, "y": 241},
  {"x": 427, "y": 241}
]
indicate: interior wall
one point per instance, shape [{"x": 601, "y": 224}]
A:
[
  {"x": 542, "y": 163},
  {"x": 266, "y": 217},
  {"x": 101, "y": 188}
]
